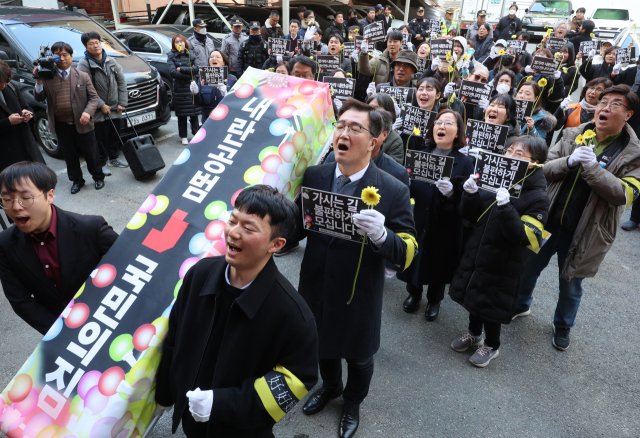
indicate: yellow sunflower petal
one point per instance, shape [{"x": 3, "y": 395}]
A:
[
  {"x": 542, "y": 82},
  {"x": 592, "y": 35},
  {"x": 501, "y": 52},
  {"x": 589, "y": 134},
  {"x": 580, "y": 140},
  {"x": 529, "y": 78},
  {"x": 370, "y": 196},
  {"x": 450, "y": 68},
  {"x": 416, "y": 131},
  {"x": 514, "y": 36}
]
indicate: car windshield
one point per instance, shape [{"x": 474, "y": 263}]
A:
[
  {"x": 611, "y": 14},
  {"x": 550, "y": 7},
  {"x": 31, "y": 35}
]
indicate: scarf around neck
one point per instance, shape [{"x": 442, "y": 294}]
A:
[{"x": 587, "y": 106}]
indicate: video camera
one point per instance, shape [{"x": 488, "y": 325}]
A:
[{"x": 46, "y": 64}]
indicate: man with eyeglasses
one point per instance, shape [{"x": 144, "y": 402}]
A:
[
  {"x": 303, "y": 67},
  {"x": 50, "y": 253},
  {"x": 350, "y": 329},
  {"x": 590, "y": 187}
]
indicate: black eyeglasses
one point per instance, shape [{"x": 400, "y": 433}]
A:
[
  {"x": 354, "y": 127},
  {"x": 614, "y": 105}
]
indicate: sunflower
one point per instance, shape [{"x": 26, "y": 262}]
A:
[
  {"x": 450, "y": 69},
  {"x": 542, "y": 82},
  {"x": 501, "y": 52},
  {"x": 349, "y": 75},
  {"x": 580, "y": 140},
  {"x": 592, "y": 35},
  {"x": 589, "y": 134},
  {"x": 466, "y": 57},
  {"x": 557, "y": 55},
  {"x": 272, "y": 69},
  {"x": 370, "y": 196},
  {"x": 529, "y": 78},
  {"x": 342, "y": 47},
  {"x": 416, "y": 131},
  {"x": 564, "y": 70},
  {"x": 514, "y": 36}
]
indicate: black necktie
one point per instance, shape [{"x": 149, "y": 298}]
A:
[{"x": 343, "y": 180}]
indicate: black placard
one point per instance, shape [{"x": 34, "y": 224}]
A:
[
  {"x": 524, "y": 108},
  {"x": 472, "y": 92},
  {"x": 279, "y": 46},
  {"x": 624, "y": 56},
  {"x": 343, "y": 88},
  {"x": 545, "y": 66},
  {"x": 401, "y": 95},
  {"x": 327, "y": 63},
  {"x": 435, "y": 26},
  {"x": 487, "y": 136},
  {"x": 422, "y": 166},
  {"x": 375, "y": 32},
  {"x": 422, "y": 64},
  {"x": 331, "y": 213},
  {"x": 556, "y": 43},
  {"x": 213, "y": 76},
  {"x": 496, "y": 171},
  {"x": 349, "y": 47},
  {"x": 406, "y": 37},
  {"x": 415, "y": 117},
  {"x": 358, "y": 40},
  {"x": 519, "y": 45},
  {"x": 441, "y": 46},
  {"x": 587, "y": 46}
]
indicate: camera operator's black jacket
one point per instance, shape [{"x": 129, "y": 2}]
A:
[{"x": 504, "y": 30}]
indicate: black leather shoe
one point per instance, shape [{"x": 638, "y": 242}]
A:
[
  {"x": 350, "y": 420},
  {"x": 432, "y": 311},
  {"x": 411, "y": 304},
  {"x": 75, "y": 188},
  {"x": 319, "y": 400},
  {"x": 99, "y": 185}
]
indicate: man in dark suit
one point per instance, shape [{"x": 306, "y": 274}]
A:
[
  {"x": 71, "y": 102},
  {"x": 49, "y": 254},
  {"x": 352, "y": 331}
]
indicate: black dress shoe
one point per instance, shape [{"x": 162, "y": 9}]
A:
[
  {"x": 432, "y": 311},
  {"x": 411, "y": 304},
  {"x": 99, "y": 185},
  {"x": 75, "y": 188},
  {"x": 319, "y": 400},
  {"x": 350, "y": 420}
]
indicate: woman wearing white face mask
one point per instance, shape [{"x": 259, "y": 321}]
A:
[{"x": 508, "y": 25}]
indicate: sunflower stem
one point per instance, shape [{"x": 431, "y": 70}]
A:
[
  {"x": 514, "y": 184},
  {"x": 355, "y": 280}
]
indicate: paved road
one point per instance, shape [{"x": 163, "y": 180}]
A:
[{"x": 421, "y": 387}]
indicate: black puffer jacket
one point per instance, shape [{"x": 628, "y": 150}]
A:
[
  {"x": 590, "y": 71},
  {"x": 487, "y": 280},
  {"x": 186, "y": 103}
]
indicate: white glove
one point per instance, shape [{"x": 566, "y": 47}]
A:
[
  {"x": 223, "y": 89},
  {"x": 483, "y": 103},
  {"x": 449, "y": 89},
  {"x": 397, "y": 124},
  {"x": 556, "y": 74},
  {"x": 397, "y": 109},
  {"x": 193, "y": 87},
  {"x": 466, "y": 65},
  {"x": 311, "y": 32},
  {"x": 565, "y": 103},
  {"x": 371, "y": 222},
  {"x": 389, "y": 273},
  {"x": 435, "y": 63},
  {"x": 279, "y": 58},
  {"x": 364, "y": 47},
  {"x": 410, "y": 45},
  {"x": 464, "y": 150},
  {"x": 161, "y": 410},
  {"x": 470, "y": 185},
  {"x": 583, "y": 155},
  {"x": 445, "y": 187},
  {"x": 616, "y": 69},
  {"x": 200, "y": 403},
  {"x": 502, "y": 196},
  {"x": 474, "y": 152},
  {"x": 391, "y": 29},
  {"x": 529, "y": 70},
  {"x": 338, "y": 103},
  {"x": 355, "y": 55},
  {"x": 592, "y": 53},
  {"x": 494, "y": 53},
  {"x": 371, "y": 89}
]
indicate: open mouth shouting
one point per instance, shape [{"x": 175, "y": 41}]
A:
[
  {"x": 343, "y": 147},
  {"x": 233, "y": 249},
  {"x": 603, "y": 118},
  {"x": 492, "y": 116},
  {"x": 21, "y": 221},
  {"x": 441, "y": 133}
]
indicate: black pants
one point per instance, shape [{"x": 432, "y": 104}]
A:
[
  {"x": 358, "y": 380},
  {"x": 108, "y": 140},
  {"x": 435, "y": 292},
  {"x": 182, "y": 125},
  {"x": 491, "y": 330},
  {"x": 72, "y": 143},
  {"x": 635, "y": 212}
]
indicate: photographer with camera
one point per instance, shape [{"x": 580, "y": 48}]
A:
[
  {"x": 576, "y": 22},
  {"x": 18, "y": 143},
  {"x": 508, "y": 25},
  {"x": 71, "y": 103},
  {"x": 111, "y": 86}
]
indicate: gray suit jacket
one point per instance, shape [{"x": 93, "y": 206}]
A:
[{"x": 84, "y": 99}]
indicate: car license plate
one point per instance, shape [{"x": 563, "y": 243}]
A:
[
  {"x": 607, "y": 35},
  {"x": 142, "y": 118}
]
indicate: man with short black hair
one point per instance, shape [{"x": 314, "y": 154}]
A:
[
  {"x": 242, "y": 345},
  {"x": 71, "y": 102},
  {"x": 337, "y": 28},
  {"x": 369, "y": 19},
  {"x": 302, "y": 67},
  {"x": 111, "y": 86},
  {"x": 386, "y": 18},
  {"x": 349, "y": 318},
  {"x": 49, "y": 253},
  {"x": 380, "y": 68},
  {"x": 307, "y": 22},
  {"x": 353, "y": 20},
  {"x": 593, "y": 174},
  {"x": 271, "y": 28},
  {"x": 583, "y": 34},
  {"x": 508, "y": 25},
  {"x": 574, "y": 23},
  {"x": 301, "y": 10}
]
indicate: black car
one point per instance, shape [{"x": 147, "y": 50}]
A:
[
  {"x": 22, "y": 30},
  {"x": 153, "y": 43}
]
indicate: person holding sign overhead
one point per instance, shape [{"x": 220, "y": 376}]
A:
[
  {"x": 605, "y": 70},
  {"x": 211, "y": 95},
  {"x": 501, "y": 110},
  {"x": 539, "y": 122},
  {"x": 438, "y": 222},
  {"x": 506, "y": 231},
  {"x": 379, "y": 67},
  {"x": 347, "y": 301}
]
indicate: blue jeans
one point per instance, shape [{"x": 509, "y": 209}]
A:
[{"x": 570, "y": 291}]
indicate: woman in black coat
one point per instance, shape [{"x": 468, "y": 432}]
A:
[
  {"x": 505, "y": 232},
  {"x": 17, "y": 142},
  {"x": 183, "y": 68},
  {"x": 438, "y": 223},
  {"x": 604, "y": 70}
]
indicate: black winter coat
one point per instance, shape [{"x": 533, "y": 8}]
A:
[
  {"x": 590, "y": 71},
  {"x": 439, "y": 227},
  {"x": 487, "y": 280},
  {"x": 503, "y": 29},
  {"x": 186, "y": 103},
  {"x": 252, "y": 55},
  {"x": 338, "y": 29},
  {"x": 270, "y": 333}
]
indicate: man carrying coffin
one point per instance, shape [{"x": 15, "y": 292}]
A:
[{"x": 352, "y": 331}]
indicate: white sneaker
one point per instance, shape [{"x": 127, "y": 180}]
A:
[
  {"x": 525, "y": 313},
  {"x": 185, "y": 141}
]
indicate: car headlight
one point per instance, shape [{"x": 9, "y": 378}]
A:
[{"x": 526, "y": 20}]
